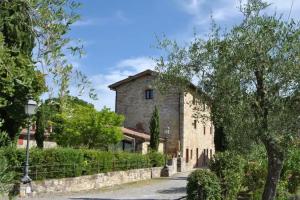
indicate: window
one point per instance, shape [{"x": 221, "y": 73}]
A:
[
  {"x": 149, "y": 94},
  {"x": 204, "y": 129},
  {"x": 195, "y": 124},
  {"x": 194, "y": 100},
  {"x": 204, "y": 106},
  {"x": 211, "y": 130},
  {"x": 191, "y": 154},
  {"x": 210, "y": 153},
  {"x": 187, "y": 155}
]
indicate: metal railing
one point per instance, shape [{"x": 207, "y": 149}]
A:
[{"x": 58, "y": 170}]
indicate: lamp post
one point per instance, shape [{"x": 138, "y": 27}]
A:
[
  {"x": 167, "y": 133},
  {"x": 30, "y": 109}
]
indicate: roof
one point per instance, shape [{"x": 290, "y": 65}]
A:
[
  {"x": 133, "y": 133},
  {"x": 136, "y": 76},
  {"x": 131, "y": 78}
]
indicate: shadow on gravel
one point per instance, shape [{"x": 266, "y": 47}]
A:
[
  {"x": 105, "y": 199},
  {"x": 173, "y": 190},
  {"x": 178, "y": 178}
]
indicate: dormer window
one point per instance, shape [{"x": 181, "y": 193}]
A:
[{"x": 149, "y": 94}]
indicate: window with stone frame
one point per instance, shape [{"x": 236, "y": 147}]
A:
[{"x": 149, "y": 94}]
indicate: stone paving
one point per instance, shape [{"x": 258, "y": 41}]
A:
[{"x": 155, "y": 189}]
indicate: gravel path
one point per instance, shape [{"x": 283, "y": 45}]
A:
[{"x": 162, "y": 188}]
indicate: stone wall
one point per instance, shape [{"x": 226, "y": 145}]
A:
[
  {"x": 131, "y": 102},
  {"x": 93, "y": 182},
  {"x": 198, "y": 132},
  {"x": 145, "y": 145}
]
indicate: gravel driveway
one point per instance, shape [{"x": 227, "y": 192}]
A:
[{"x": 161, "y": 188}]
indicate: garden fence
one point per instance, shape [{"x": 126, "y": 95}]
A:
[{"x": 58, "y": 170}]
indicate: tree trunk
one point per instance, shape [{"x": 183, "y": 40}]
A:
[{"x": 275, "y": 164}]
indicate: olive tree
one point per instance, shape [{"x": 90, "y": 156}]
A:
[{"x": 250, "y": 76}]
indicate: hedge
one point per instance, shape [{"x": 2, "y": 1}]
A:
[{"x": 68, "y": 162}]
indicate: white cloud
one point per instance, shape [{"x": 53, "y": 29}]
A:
[
  {"x": 121, "y": 70},
  {"x": 136, "y": 64},
  {"x": 117, "y": 16},
  {"x": 84, "y": 22},
  {"x": 286, "y": 7}
]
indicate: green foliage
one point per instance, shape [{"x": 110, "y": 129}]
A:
[
  {"x": 67, "y": 162},
  {"x": 156, "y": 159},
  {"x": 154, "y": 130},
  {"x": 6, "y": 177},
  {"x": 40, "y": 127},
  {"x": 229, "y": 168},
  {"x": 291, "y": 170},
  {"x": 250, "y": 76},
  {"x": 43, "y": 25},
  {"x": 203, "y": 185},
  {"x": 84, "y": 126}
]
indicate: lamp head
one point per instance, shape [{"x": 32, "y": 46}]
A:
[
  {"x": 167, "y": 130},
  {"x": 30, "y": 107}
]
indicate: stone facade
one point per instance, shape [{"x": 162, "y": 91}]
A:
[{"x": 176, "y": 110}]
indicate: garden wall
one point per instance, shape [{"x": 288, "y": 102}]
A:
[{"x": 91, "y": 182}]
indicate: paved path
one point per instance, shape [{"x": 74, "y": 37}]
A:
[{"x": 162, "y": 188}]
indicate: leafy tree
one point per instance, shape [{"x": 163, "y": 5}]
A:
[
  {"x": 83, "y": 126},
  {"x": 251, "y": 74},
  {"x": 41, "y": 25},
  {"x": 40, "y": 127},
  {"x": 20, "y": 79},
  {"x": 154, "y": 130}
]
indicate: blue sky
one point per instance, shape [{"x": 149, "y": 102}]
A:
[{"x": 119, "y": 36}]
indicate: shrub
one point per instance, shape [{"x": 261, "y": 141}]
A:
[
  {"x": 156, "y": 159},
  {"x": 291, "y": 170},
  {"x": 6, "y": 177},
  {"x": 229, "y": 167},
  {"x": 255, "y": 172},
  {"x": 67, "y": 162},
  {"x": 203, "y": 185}
]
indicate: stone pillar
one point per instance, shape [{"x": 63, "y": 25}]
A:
[{"x": 26, "y": 190}]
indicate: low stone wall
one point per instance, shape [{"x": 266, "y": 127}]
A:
[{"x": 93, "y": 182}]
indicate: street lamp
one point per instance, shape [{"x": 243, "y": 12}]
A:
[
  {"x": 167, "y": 133},
  {"x": 30, "y": 109}
]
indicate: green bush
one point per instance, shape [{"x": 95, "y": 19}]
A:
[
  {"x": 6, "y": 177},
  {"x": 203, "y": 185},
  {"x": 229, "y": 167},
  {"x": 156, "y": 159},
  {"x": 291, "y": 170},
  {"x": 68, "y": 162}
]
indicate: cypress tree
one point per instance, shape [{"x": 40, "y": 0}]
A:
[
  {"x": 40, "y": 128},
  {"x": 154, "y": 130}
]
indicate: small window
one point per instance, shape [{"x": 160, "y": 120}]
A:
[
  {"x": 195, "y": 124},
  {"x": 194, "y": 100},
  {"x": 187, "y": 155},
  {"x": 148, "y": 94},
  {"x": 210, "y": 153},
  {"x": 191, "y": 154},
  {"x": 204, "y": 129},
  {"x": 204, "y": 107}
]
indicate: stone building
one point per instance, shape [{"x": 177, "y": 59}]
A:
[{"x": 190, "y": 138}]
